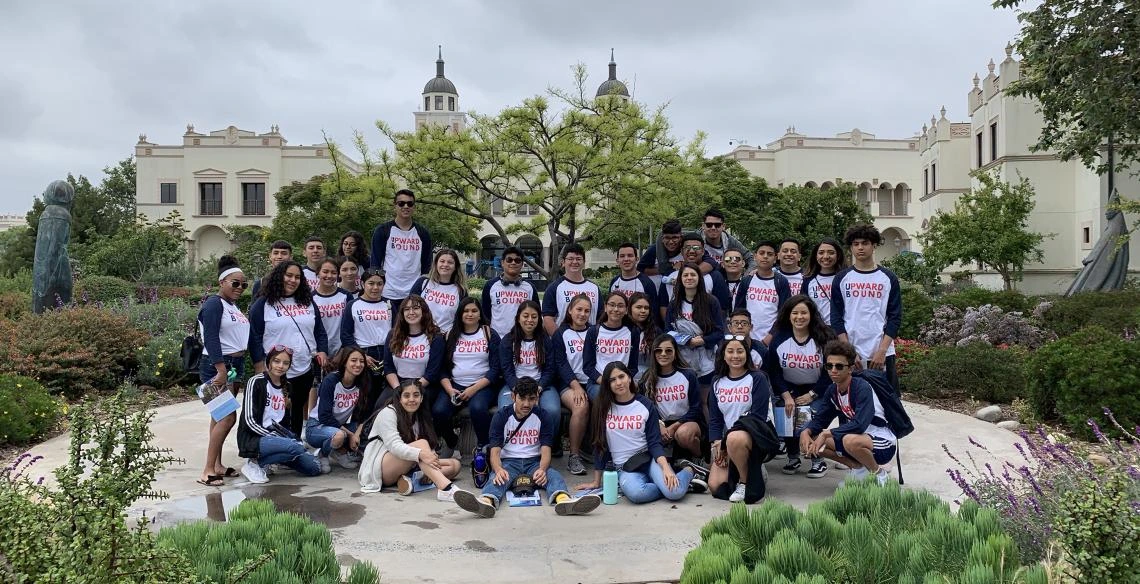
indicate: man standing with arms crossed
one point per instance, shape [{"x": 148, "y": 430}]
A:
[{"x": 402, "y": 248}]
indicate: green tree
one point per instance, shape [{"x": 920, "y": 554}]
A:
[
  {"x": 591, "y": 171},
  {"x": 135, "y": 248},
  {"x": 989, "y": 225}
]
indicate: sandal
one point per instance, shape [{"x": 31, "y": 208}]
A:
[
  {"x": 231, "y": 472},
  {"x": 212, "y": 481}
]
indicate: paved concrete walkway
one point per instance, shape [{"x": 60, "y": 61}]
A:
[{"x": 418, "y": 539}]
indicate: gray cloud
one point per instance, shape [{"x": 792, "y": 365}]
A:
[{"x": 89, "y": 77}]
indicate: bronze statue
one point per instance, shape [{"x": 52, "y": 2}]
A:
[{"x": 51, "y": 272}]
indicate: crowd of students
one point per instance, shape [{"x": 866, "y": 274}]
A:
[{"x": 364, "y": 360}]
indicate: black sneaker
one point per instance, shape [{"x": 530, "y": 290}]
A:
[
  {"x": 699, "y": 472},
  {"x": 575, "y": 466},
  {"x": 818, "y": 469},
  {"x": 698, "y": 486},
  {"x": 792, "y": 466}
]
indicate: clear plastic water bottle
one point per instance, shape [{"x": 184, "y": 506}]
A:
[{"x": 610, "y": 485}]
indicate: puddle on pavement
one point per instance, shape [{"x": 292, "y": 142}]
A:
[{"x": 217, "y": 506}]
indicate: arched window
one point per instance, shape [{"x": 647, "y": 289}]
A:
[
  {"x": 810, "y": 185},
  {"x": 826, "y": 186},
  {"x": 900, "y": 199},
  {"x": 885, "y": 198},
  {"x": 863, "y": 196}
]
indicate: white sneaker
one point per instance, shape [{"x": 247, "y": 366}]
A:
[
  {"x": 738, "y": 495},
  {"x": 342, "y": 459},
  {"x": 882, "y": 476},
  {"x": 253, "y": 472},
  {"x": 447, "y": 496},
  {"x": 855, "y": 475},
  {"x": 326, "y": 466}
]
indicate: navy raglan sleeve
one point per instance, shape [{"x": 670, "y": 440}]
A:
[
  {"x": 497, "y": 422},
  {"x": 389, "y": 358},
  {"x": 211, "y": 318},
  {"x": 507, "y": 361},
  {"x": 257, "y": 330},
  {"x": 485, "y": 300},
  {"x": 565, "y": 371},
  {"x": 894, "y": 307},
  {"x": 716, "y": 335},
  {"x": 434, "y": 371},
  {"x": 827, "y": 412},
  {"x": 426, "y": 250},
  {"x": 652, "y": 429},
  {"x": 772, "y": 365},
  {"x": 347, "y": 326},
  {"x": 319, "y": 333},
  {"x": 694, "y": 412},
  {"x": 741, "y": 300},
  {"x": 716, "y": 417},
  {"x": 545, "y": 431},
  {"x": 549, "y": 305},
  {"x": 546, "y": 378},
  {"x": 634, "y": 343},
  {"x": 590, "y": 354},
  {"x": 418, "y": 286},
  {"x": 761, "y": 395},
  {"x": 380, "y": 244},
  {"x": 838, "y": 323},
  {"x": 863, "y": 402},
  {"x": 720, "y": 290},
  {"x": 325, "y": 401},
  {"x": 494, "y": 371}
]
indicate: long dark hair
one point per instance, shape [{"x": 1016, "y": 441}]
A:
[
  {"x": 817, "y": 329},
  {"x": 360, "y": 256},
  {"x": 457, "y": 330},
  {"x": 405, "y": 422},
  {"x": 721, "y": 369},
  {"x": 566, "y": 319},
  {"x": 274, "y": 288},
  {"x": 363, "y": 382},
  {"x": 518, "y": 335},
  {"x": 649, "y": 380},
  {"x": 604, "y": 400},
  {"x": 401, "y": 329},
  {"x": 649, "y": 329},
  {"x": 813, "y": 266},
  {"x": 702, "y": 312},
  {"x": 626, "y": 321}
]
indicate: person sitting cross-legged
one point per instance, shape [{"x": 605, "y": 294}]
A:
[
  {"x": 521, "y": 435},
  {"x": 862, "y": 441}
]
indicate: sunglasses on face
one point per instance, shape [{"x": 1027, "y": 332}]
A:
[
  {"x": 512, "y": 260},
  {"x": 663, "y": 351},
  {"x": 235, "y": 284},
  {"x": 836, "y": 366},
  {"x": 405, "y": 204},
  {"x": 713, "y": 225},
  {"x": 694, "y": 247},
  {"x": 732, "y": 260}
]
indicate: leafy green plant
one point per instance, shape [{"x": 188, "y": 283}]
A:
[
  {"x": 71, "y": 351},
  {"x": 75, "y": 531},
  {"x": 13, "y": 305},
  {"x": 912, "y": 268},
  {"x": 20, "y": 281},
  {"x": 158, "y": 317},
  {"x": 103, "y": 289},
  {"x": 1099, "y": 529},
  {"x": 260, "y": 544},
  {"x": 973, "y": 297},
  {"x": 160, "y": 366},
  {"x": 27, "y": 411},
  {"x": 863, "y": 533},
  {"x": 1115, "y": 311},
  {"x": 918, "y": 311},
  {"x": 978, "y": 370},
  {"x": 1074, "y": 378}
]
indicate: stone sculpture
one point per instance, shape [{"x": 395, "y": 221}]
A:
[{"x": 51, "y": 272}]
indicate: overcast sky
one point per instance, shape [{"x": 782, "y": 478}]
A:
[{"x": 80, "y": 80}]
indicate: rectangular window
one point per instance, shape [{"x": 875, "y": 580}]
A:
[
  {"x": 978, "y": 150},
  {"x": 496, "y": 206},
  {"x": 450, "y": 104},
  {"x": 933, "y": 176},
  {"x": 427, "y": 103},
  {"x": 252, "y": 198},
  {"x": 993, "y": 142},
  {"x": 926, "y": 181},
  {"x": 168, "y": 193},
  {"x": 1087, "y": 234},
  {"x": 439, "y": 102},
  {"x": 210, "y": 197}
]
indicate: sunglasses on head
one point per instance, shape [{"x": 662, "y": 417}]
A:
[
  {"x": 740, "y": 338},
  {"x": 281, "y": 348},
  {"x": 405, "y": 203},
  {"x": 238, "y": 284},
  {"x": 836, "y": 366}
]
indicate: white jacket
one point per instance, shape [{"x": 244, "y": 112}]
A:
[{"x": 385, "y": 438}]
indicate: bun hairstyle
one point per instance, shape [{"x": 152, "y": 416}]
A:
[{"x": 227, "y": 265}]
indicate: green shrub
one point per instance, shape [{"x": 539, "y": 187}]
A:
[
  {"x": 159, "y": 317},
  {"x": 267, "y": 545},
  {"x": 1114, "y": 311},
  {"x": 1007, "y": 300},
  {"x": 181, "y": 274},
  {"x": 71, "y": 351},
  {"x": 19, "y": 282},
  {"x": 918, "y": 311},
  {"x": 475, "y": 285},
  {"x": 979, "y": 370},
  {"x": 76, "y": 531},
  {"x": 863, "y": 533},
  {"x": 28, "y": 411},
  {"x": 1075, "y": 377},
  {"x": 13, "y": 305},
  {"x": 159, "y": 362},
  {"x": 1099, "y": 529},
  {"x": 103, "y": 289},
  {"x": 910, "y": 268}
]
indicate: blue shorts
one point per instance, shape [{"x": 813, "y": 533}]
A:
[{"x": 882, "y": 455}]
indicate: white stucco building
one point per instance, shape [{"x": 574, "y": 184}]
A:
[
  {"x": 884, "y": 170},
  {"x": 221, "y": 178},
  {"x": 1071, "y": 199},
  {"x": 10, "y": 220}
]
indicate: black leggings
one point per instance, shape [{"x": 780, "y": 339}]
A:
[{"x": 299, "y": 388}]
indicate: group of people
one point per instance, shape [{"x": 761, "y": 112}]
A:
[{"x": 364, "y": 360}]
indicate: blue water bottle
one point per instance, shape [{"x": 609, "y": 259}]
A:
[{"x": 610, "y": 485}]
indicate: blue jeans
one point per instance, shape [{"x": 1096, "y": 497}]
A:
[
  {"x": 519, "y": 466},
  {"x": 548, "y": 400},
  {"x": 640, "y": 487},
  {"x": 206, "y": 371},
  {"x": 479, "y": 406},
  {"x": 320, "y": 436},
  {"x": 592, "y": 390},
  {"x": 290, "y": 453}
]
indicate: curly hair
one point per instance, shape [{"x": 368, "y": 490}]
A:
[
  {"x": 401, "y": 330},
  {"x": 868, "y": 232},
  {"x": 274, "y": 286},
  {"x": 818, "y": 330}
]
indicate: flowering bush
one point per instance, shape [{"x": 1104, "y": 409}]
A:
[
  {"x": 1058, "y": 502},
  {"x": 1073, "y": 378},
  {"x": 15, "y": 304},
  {"x": 158, "y": 317},
  {"x": 973, "y": 297},
  {"x": 26, "y": 410},
  {"x": 908, "y": 354},
  {"x": 71, "y": 351},
  {"x": 159, "y": 362},
  {"x": 978, "y": 370},
  {"x": 987, "y": 324}
]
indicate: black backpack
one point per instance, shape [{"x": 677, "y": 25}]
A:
[{"x": 897, "y": 419}]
